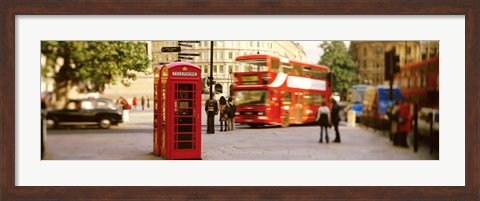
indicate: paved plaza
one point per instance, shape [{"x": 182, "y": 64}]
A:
[{"x": 134, "y": 141}]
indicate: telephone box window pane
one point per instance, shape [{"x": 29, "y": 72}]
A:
[
  {"x": 184, "y": 95},
  {"x": 185, "y": 129},
  {"x": 185, "y": 87},
  {"x": 184, "y": 104},
  {"x": 184, "y": 120},
  {"x": 184, "y": 112},
  {"x": 182, "y": 137},
  {"x": 184, "y": 145}
]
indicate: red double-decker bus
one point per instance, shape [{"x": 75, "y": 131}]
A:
[
  {"x": 419, "y": 82},
  {"x": 278, "y": 91}
]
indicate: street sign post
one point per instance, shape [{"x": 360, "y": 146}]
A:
[{"x": 171, "y": 49}]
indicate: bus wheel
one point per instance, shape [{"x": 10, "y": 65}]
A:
[{"x": 285, "y": 120}]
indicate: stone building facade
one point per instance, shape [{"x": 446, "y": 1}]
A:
[
  {"x": 224, "y": 55},
  {"x": 369, "y": 57}
]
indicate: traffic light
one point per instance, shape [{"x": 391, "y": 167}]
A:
[
  {"x": 395, "y": 63},
  {"x": 388, "y": 65},
  {"x": 392, "y": 64}
]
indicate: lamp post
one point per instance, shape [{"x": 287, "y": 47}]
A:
[{"x": 211, "y": 104}]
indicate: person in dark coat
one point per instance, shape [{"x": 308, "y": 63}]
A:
[
  {"x": 222, "y": 105},
  {"x": 211, "y": 108},
  {"x": 336, "y": 120},
  {"x": 323, "y": 118},
  {"x": 142, "y": 101}
]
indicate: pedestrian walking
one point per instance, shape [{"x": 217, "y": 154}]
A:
[
  {"x": 336, "y": 120},
  {"x": 142, "y": 101},
  {"x": 123, "y": 107},
  {"x": 134, "y": 103},
  {"x": 223, "y": 113},
  {"x": 323, "y": 119},
  {"x": 232, "y": 108},
  {"x": 404, "y": 124},
  {"x": 119, "y": 104},
  {"x": 148, "y": 102}
]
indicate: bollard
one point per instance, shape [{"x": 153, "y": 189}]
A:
[{"x": 351, "y": 118}]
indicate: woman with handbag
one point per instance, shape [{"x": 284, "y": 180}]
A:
[{"x": 323, "y": 118}]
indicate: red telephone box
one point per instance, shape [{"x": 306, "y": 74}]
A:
[{"x": 177, "y": 111}]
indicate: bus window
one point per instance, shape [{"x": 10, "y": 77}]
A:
[
  {"x": 286, "y": 68},
  {"x": 275, "y": 66},
  {"x": 308, "y": 99},
  {"x": 318, "y": 99},
  {"x": 254, "y": 65},
  {"x": 297, "y": 70},
  {"x": 319, "y": 74},
  {"x": 286, "y": 98},
  {"x": 251, "y": 97},
  {"x": 307, "y": 71}
]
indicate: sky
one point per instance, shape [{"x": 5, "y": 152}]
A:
[{"x": 313, "y": 51}]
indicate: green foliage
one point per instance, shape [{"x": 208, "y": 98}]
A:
[
  {"x": 91, "y": 65},
  {"x": 340, "y": 62}
]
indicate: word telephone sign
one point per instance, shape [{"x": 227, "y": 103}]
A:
[{"x": 177, "y": 115}]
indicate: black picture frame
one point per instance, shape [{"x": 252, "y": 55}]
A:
[{"x": 11, "y": 8}]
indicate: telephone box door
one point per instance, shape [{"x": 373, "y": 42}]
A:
[{"x": 186, "y": 140}]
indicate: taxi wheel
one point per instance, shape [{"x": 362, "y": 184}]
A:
[
  {"x": 51, "y": 123},
  {"x": 104, "y": 123},
  {"x": 285, "y": 120}
]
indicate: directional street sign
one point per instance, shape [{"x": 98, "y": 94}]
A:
[
  {"x": 184, "y": 45},
  {"x": 188, "y": 58},
  {"x": 171, "y": 49},
  {"x": 189, "y": 41},
  {"x": 188, "y": 54}
]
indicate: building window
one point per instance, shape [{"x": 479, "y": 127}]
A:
[
  {"x": 221, "y": 69},
  {"x": 364, "y": 51},
  {"x": 365, "y": 64},
  {"x": 230, "y": 69},
  {"x": 214, "y": 68},
  {"x": 230, "y": 55},
  {"x": 220, "y": 55},
  {"x": 409, "y": 50},
  {"x": 237, "y": 69},
  {"x": 378, "y": 50},
  {"x": 205, "y": 69}
]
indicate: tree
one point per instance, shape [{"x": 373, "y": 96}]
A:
[
  {"x": 340, "y": 62},
  {"x": 90, "y": 65}
]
